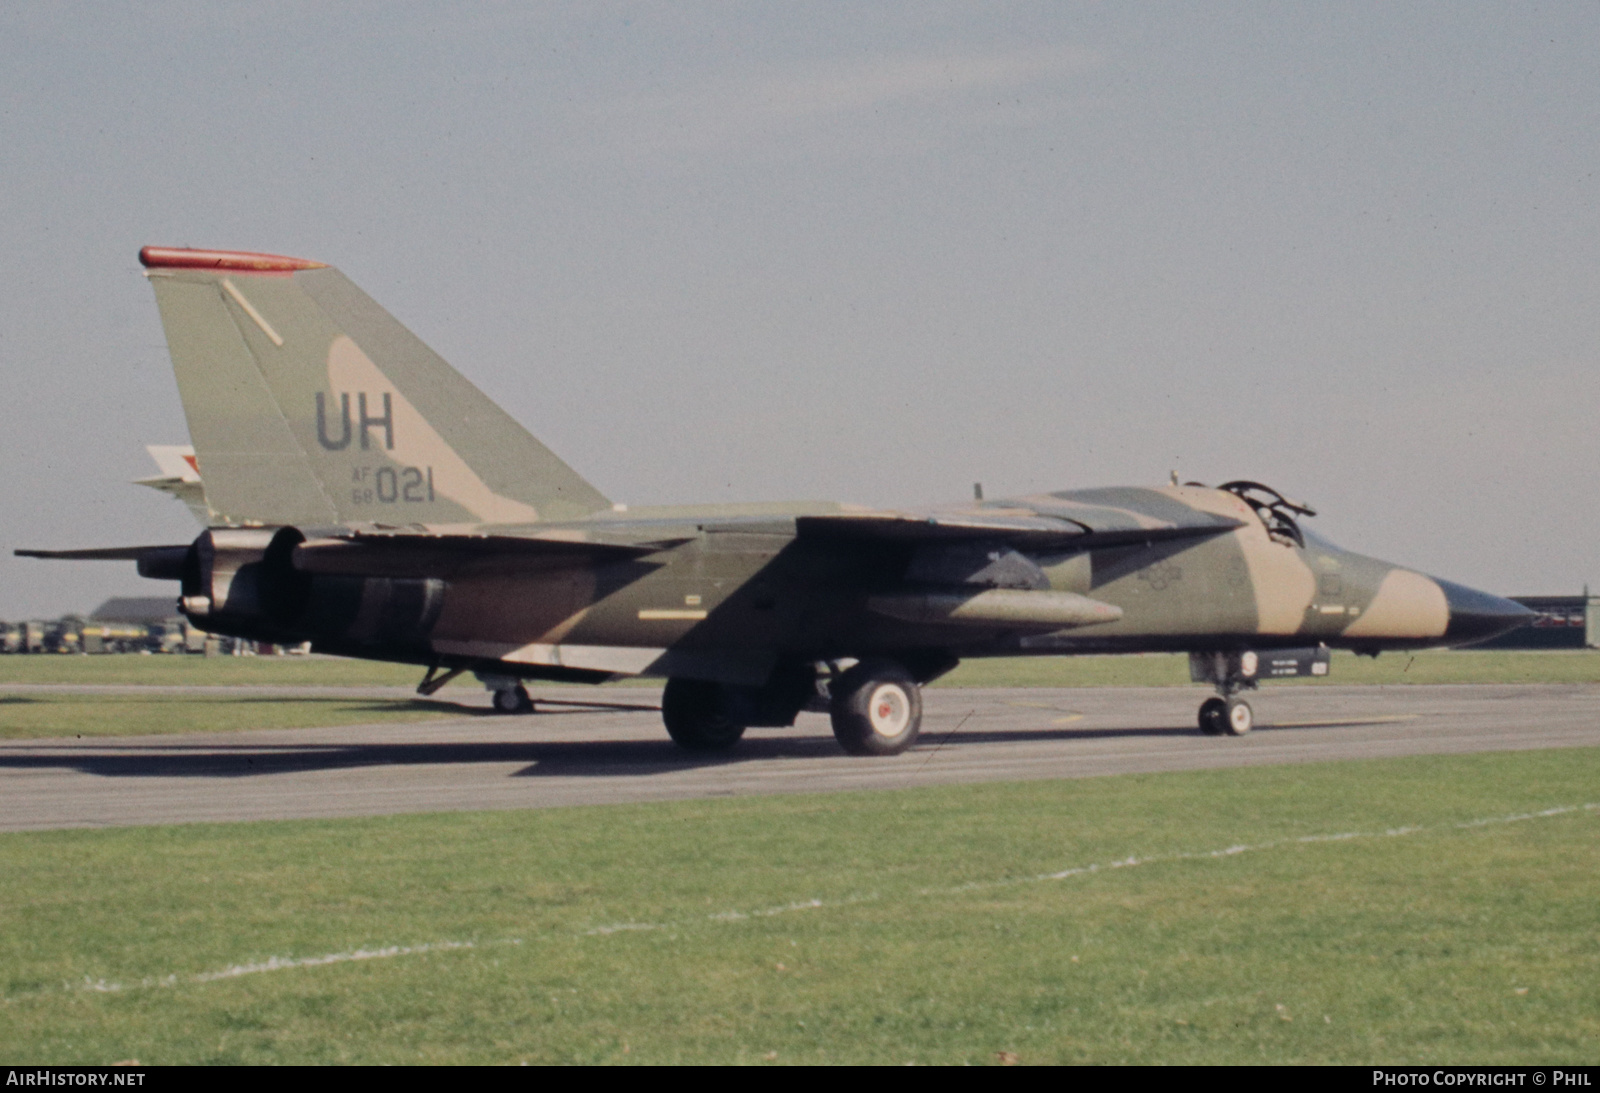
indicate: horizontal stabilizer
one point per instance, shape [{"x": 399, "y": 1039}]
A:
[
  {"x": 162, "y": 563},
  {"x": 97, "y": 554}
]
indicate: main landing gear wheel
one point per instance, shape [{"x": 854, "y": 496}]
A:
[
  {"x": 1226, "y": 717},
  {"x": 513, "y": 700},
  {"x": 1240, "y": 718},
  {"x": 876, "y": 709},
  {"x": 696, "y": 716}
]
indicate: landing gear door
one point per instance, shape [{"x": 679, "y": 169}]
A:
[
  {"x": 1249, "y": 666},
  {"x": 1289, "y": 663}
]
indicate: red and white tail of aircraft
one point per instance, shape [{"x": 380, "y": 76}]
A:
[{"x": 180, "y": 477}]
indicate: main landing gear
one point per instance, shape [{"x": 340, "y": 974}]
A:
[
  {"x": 876, "y": 709},
  {"x": 700, "y": 715},
  {"x": 875, "y": 706},
  {"x": 513, "y": 700}
]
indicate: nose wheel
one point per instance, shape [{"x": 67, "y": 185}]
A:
[
  {"x": 1230, "y": 716},
  {"x": 513, "y": 700}
]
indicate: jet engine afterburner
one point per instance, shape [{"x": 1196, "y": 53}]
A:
[{"x": 248, "y": 582}]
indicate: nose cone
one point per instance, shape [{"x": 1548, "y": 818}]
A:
[{"x": 1477, "y": 616}]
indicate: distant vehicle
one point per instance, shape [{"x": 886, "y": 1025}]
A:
[
  {"x": 362, "y": 495},
  {"x": 65, "y": 635},
  {"x": 114, "y": 637}
]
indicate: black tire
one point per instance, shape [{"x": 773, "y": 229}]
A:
[
  {"x": 696, "y": 716},
  {"x": 876, "y": 709},
  {"x": 1239, "y": 719},
  {"x": 513, "y": 701},
  {"x": 1214, "y": 716}
]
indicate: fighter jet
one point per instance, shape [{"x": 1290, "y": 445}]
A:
[{"x": 360, "y": 494}]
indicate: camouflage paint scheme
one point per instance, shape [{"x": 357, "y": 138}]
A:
[{"x": 364, "y": 496}]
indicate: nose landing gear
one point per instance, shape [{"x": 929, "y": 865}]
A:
[
  {"x": 1225, "y": 714},
  {"x": 1231, "y": 672},
  {"x": 513, "y": 700},
  {"x": 510, "y": 696}
]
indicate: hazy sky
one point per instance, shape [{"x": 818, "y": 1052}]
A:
[{"x": 870, "y": 253}]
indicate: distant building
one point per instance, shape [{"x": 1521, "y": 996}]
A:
[{"x": 137, "y": 609}]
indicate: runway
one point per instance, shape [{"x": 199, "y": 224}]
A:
[{"x": 567, "y": 757}]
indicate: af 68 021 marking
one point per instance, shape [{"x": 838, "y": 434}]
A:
[{"x": 391, "y": 485}]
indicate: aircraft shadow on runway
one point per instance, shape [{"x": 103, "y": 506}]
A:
[
  {"x": 612, "y": 758},
  {"x": 107, "y": 757},
  {"x": 442, "y": 706}
]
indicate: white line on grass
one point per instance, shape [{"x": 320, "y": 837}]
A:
[
  {"x": 281, "y": 963},
  {"x": 1085, "y": 870}
]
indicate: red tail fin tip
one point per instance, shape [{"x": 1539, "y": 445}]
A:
[{"x": 186, "y": 258}]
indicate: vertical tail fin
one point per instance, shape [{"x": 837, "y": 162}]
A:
[{"x": 309, "y": 404}]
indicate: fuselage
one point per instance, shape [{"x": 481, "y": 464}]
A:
[{"x": 733, "y": 591}]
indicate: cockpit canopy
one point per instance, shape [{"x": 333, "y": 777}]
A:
[{"x": 1276, "y": 512}]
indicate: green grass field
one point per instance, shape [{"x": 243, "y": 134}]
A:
[{"x": 1411, "y": 910}]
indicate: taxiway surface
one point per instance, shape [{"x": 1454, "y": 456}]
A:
[{"x": 576, "y": 756}]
